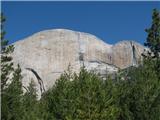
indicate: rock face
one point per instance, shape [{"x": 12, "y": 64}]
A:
[
  {"x": 45, "y": 55},
  {"x": 127, "y": 53}
]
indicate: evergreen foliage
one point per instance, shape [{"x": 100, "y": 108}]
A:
[
  {"x": 134, "y": 94},
  {"x": 13, "y": 102},
  {"x": 6, "y": 64},
  {"x": 153, "y": 39},
  {"x": 85, "y": 97},
  {"x": 10, "y": 81},
  {"x": 30, "y": 103}
]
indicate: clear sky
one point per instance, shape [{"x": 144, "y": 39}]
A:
[{"x": 109, "y": 21}]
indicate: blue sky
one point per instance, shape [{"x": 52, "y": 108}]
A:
[{"x": 109, "y": 21}]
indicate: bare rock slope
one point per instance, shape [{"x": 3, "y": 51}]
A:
[{"x": 45, "y": 55}]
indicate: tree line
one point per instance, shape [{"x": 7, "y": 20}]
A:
[{"x": 85, "y": 96}]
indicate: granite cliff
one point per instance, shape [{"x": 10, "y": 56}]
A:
[{"x": 45, "y": 55}]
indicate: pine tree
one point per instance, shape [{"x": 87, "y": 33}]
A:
[
  {"x": 153, "y": 39},
  {"x": 14, "y": 96},
  {"x": 11, "y": 86},
  {"x": 6, "y": 59},
  {"x": 142, "y": 99},
  {"x": 30, "y": 103},
  {"x": 86, "y": 97},
  {"x": 6, "y": 69},
  {"x": 152, "y": 62}
]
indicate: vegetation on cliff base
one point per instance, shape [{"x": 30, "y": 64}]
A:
[{"x": 85, "y": 96}]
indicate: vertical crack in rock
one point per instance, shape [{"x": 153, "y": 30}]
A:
[
  {"x": 40, "y": 81},
  {"x": 134, "y": 61}
]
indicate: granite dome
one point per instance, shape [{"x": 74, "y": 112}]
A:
[{"x": 49, "y": 53}]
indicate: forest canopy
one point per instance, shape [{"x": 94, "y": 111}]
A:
[{"x": 86, "y": 96}]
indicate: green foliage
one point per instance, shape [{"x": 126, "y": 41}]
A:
[
  {"x": 3, "y": 41},
  {"x": 84, "y": 96},
  {"x": 30, "y": 103},
  {"x": 140, "y": 94},
  {"x": 153, "y": 39},
  {"x": 14, "y": 104},
  {"x": 6, "y": 64},
  {"x": 11, "y": 98},
  {"x": 10, "y": 93},
  {"x": 134, "y": 93}
]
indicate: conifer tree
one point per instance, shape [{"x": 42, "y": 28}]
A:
[
  {"x": 30, "y": 103},
  {"x": 11, "y": 86},
  {"x": 153, "y": 39},
  {"x": 14, "y": 97},
  {"x": 153, "y": 42},
  {"x": 153, "y": 64},
  {"x": 6, "y": 69},
  {"x": 6, "y": 59},
  {"x": 86, "y": 97},
  {"x": 142, "y": 99}
]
